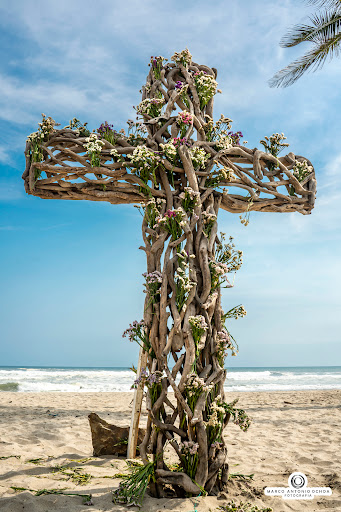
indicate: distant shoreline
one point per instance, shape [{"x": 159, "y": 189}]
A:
[{"x": 120, "y": 379}]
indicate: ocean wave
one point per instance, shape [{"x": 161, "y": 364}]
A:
[
  {"x": 9, "y": 386},
  {"x": 121, "y": 379}
]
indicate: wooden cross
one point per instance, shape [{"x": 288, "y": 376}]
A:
[{"x": 177, "y": 164}]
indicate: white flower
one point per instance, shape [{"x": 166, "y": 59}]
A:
[{"x": 198, "y": 157}]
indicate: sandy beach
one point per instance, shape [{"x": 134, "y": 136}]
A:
[{"x": 291, "y": 431}]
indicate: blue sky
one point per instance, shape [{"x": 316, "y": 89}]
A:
[{"x": 71, "y": 271}]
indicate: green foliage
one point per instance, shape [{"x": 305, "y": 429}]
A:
[
  {"x": 35, "y": 461},
  {"x": 232, "y": 506},
  {"x": 240, "y": 476},
  {"x": 73, "y": 474},
  {"x": 86, "y": 497},
  {"x": 134, "y": 485}
]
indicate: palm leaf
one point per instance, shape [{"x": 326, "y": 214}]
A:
[
  {"x": 312, "y": 60},
  {"x": 324, "y": 26},
  {"x": 329, "y": 4}
]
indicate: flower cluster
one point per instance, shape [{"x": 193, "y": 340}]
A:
[
  {"x": 235, "y": 137},
  {"x": 147, "y": 379},
  {"x": 183, "y": 88},
  {"x": 78, "y": 127},
  {"x": 190, "y": 457},
  {"x": 184, "y": 120},
  {"x": 274, "y": 145},
  {"x": 223, "y": 141},
  {"x": 172, "y": 221},
  {"x": 224, "y": 343},
  {"x": 217, "y": 413},
  {"x": 206, "y": 87},
  {"x": 153, "y": 285},
  {"x": 151, "y": 210},
  {"x": 246, "y": 218},
  {"x": 106, "y": 131},
  {"x": 153, "y": 277},
  {"x": 143, "y": 155},
  {"x": 183, "y": 283},
  {"x": 157, "y": 64},
  {"x": 199, "y": 157},
  {"x": 140, "y": 379},
  {"x": 226, "y": 253},
  {"x": 189, "y": 447},
  {"x": 151, "y": 107},
  {"x": 198, "y": 327},
  {"x": 213, "y": 130},
  {"x": 136, "y": 132},
  {"x": 184, "y": 58},
  {"x": 178, "y": 141},
  {"x": 190, "y": 199},
  {"x": 216, "y": 445},
  {"x": 239, "y": 416},
  {"x": 94, "y": 146},
  {"x": 217, "y": 176},
  {"x": 153, "y": 281},
  {"x": 301, "y": 170},
  {"x": 169, "y": 150},
  {"x": 218, "y": 274},
  {"x": 209, "y": 219},
  {"x": 184, "y": 117},
  {"x": 236, "y": 312},
  {"x": 153, "y": 382},
  {"x": 36, "y": 139},
  {"x": 115, "y": 154},
  {"x": 137, "y": 332},
  {"x": 195, "y": 386},
  {"x": 145, "y": 162},
  {"x": 136, "y": 329}
]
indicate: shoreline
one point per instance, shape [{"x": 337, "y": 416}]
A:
[
  {"x": 256, "y": 391},
  {"x": 303, "y": 434}
]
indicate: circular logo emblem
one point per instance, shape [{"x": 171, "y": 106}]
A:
[{"x": 297, "y": 480}]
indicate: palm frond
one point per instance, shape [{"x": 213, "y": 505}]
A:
[
  {"x": 312, "y": 60},
  {"x": 328, "y": 4},
  {"x": 324, "y": 26}
]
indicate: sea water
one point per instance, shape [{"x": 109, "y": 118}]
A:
[{"x": 39, "y": 379}]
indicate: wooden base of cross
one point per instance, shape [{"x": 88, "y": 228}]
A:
[{"x": 137, "y": 407}]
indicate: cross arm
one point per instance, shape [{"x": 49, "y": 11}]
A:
[
  {"x": 175, "y": 128},
  {"x": 65, "y": 171},
  {"x": 261, "y": 182}
]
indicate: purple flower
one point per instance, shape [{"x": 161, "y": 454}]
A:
[
  {"x": 178, "y": 85},
  {"x": 153, "y": 277},
  {"x": 235, "y": 137},
  {"x": 170, "y": 214}
]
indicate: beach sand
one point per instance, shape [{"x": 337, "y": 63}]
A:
[{"x": 301, "y": 435}]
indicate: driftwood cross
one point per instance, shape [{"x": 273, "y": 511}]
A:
[{"x": 181, "y": 168}]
